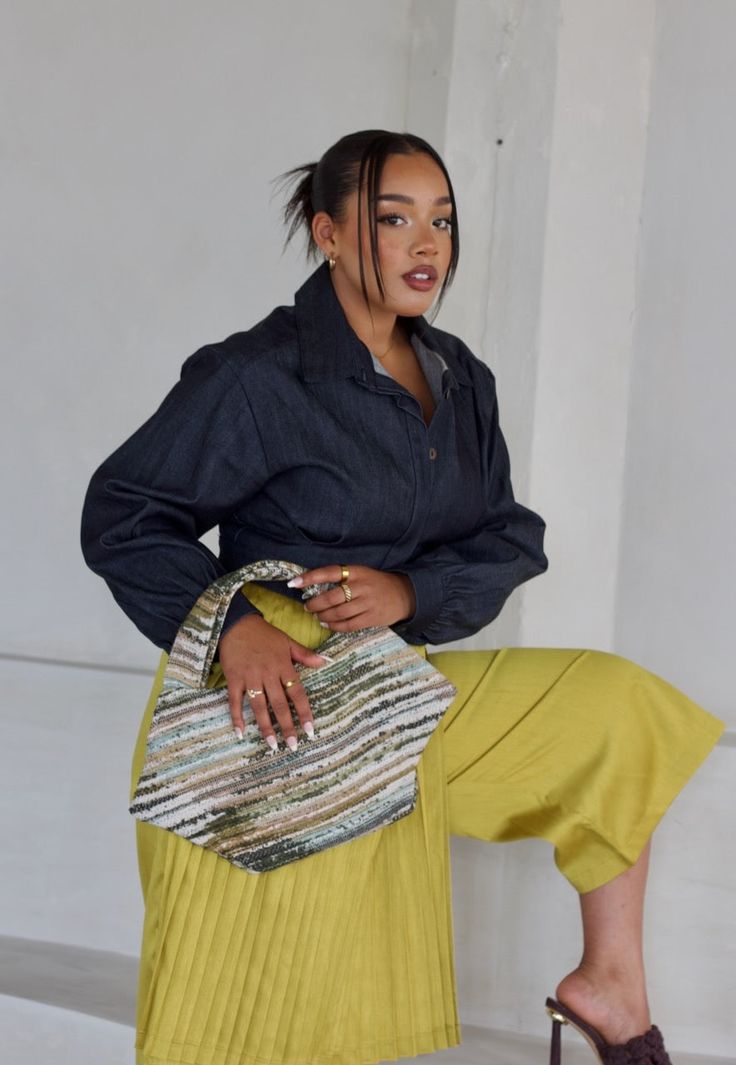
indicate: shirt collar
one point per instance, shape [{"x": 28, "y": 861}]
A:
[
  {"x": 328, "y": 345},
  {"x": 436, "y": 370}
]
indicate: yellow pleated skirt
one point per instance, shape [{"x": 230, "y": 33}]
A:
[{"x": 346, "y": 957}]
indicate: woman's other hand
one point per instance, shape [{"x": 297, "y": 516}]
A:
[
  {"x": 258, "y": 658},
  {"x": 376, "y": 597}
]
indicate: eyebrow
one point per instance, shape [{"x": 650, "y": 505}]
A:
[{"x": 397, "y": 197}]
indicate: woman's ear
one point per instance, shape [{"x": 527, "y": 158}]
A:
[{"x": 323, "y": 231}]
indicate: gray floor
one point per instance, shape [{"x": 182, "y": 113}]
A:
[
  {"x": 99, "y": 983},
  {"x": 64, "y": 1005}
]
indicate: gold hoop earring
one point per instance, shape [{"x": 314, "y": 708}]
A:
[{"x": 331, "y": 261}]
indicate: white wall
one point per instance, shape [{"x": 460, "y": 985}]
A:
[
  {"x": 142, "y": 140},
  {"x": 585, "y": 324},
  {"x": 677, "y": 572},
  {"x": 497, "y": 145},
  {"x": 567, "y": 189}
]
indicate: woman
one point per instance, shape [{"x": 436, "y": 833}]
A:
[{"x": 349, "y": 435}]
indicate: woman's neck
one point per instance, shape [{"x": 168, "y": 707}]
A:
[{"x": 378, "y": 331}]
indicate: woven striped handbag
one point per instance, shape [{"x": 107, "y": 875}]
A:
[{"x": 375, "y": 706}]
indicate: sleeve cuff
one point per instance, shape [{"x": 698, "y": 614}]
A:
[
  {"x": 428, "y": 593},
  {"x": 240, "y": 607}
]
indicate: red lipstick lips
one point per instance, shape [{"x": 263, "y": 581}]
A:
[{"x": 421, "y": 278}]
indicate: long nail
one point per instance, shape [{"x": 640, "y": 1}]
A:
[
  {"x": 309, "y": 729},
  {"x": 238, "y": 732},
  {"x": 292, "y": 743},
  {"x": 272, "y": 742},
  {"x": 295, "y": 582}
]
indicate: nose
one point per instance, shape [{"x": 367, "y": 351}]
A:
[{"x": 425, "y": 241}]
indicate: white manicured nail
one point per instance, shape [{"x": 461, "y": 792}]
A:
[
  {"x": 326, "y": 657},
  {"x": 309, "y": 729},
  {"x": 295, "y": 582},
  {"x": 238, "y": 732},
  {"x": 292, "y": 743},
  {"x": 324, "y": 625},
  {"x": 272, "y": 742}
]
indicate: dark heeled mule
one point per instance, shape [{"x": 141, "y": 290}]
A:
[{"x": 647, "y": 1049}]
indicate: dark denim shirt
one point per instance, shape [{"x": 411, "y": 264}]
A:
[{"x": 288, "y": 438}]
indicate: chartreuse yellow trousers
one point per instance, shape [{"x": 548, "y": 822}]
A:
[{"x": 346, "y": 957}]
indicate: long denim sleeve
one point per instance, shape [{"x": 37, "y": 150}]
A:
[
  {"x": 194, "y": 462},
  {"x": 287, "y": 438}
]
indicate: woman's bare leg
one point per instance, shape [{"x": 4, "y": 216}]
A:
[{"x": 608, "y": 988}]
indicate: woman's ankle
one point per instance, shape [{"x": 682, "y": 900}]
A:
[{"x": 612, "y": 999}]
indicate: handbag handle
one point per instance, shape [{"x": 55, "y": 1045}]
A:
[{"x": 193, "y": 650}]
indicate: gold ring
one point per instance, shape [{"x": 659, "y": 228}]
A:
[
  {"x": 344, "y": 573},
  {"x": 252, "y": 692},
  {"x": 289, "y": 683},
  {"x": 346, "y": 591}
]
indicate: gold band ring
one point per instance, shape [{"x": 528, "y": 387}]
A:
[
  {"x": 344, "y": 573},
  {"x": 288, "y": 683},
  {"x": 252, "y": 692},
  {"x": 346, "y": 591}
]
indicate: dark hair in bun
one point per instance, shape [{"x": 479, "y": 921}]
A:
[{"x": 356, "y": 162}]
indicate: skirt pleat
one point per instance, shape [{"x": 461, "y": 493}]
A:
[{"x": 346, "y": 957}]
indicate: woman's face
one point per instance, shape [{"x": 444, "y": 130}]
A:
[{"x": 413, "y": 213}]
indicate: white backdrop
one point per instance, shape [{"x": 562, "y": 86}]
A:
[
  {"x": 137, "y": 206},
  {"x": 677, "y": 569}
]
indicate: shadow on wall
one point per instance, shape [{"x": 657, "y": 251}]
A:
[{"x": 100, "y": 983}]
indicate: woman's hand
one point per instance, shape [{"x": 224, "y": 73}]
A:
[
  {"x": 257, "y": 657},
  {"x": 376, "y": 597}
]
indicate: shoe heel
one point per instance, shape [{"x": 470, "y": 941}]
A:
[
  {"x": 648, "y": 1047},
  {"x": 555, "y": 1049}
]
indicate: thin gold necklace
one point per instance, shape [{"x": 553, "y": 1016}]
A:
[{"x": 391, "y": 345}]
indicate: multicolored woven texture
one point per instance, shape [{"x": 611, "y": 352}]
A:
[{"x": 375, "y": 706}]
